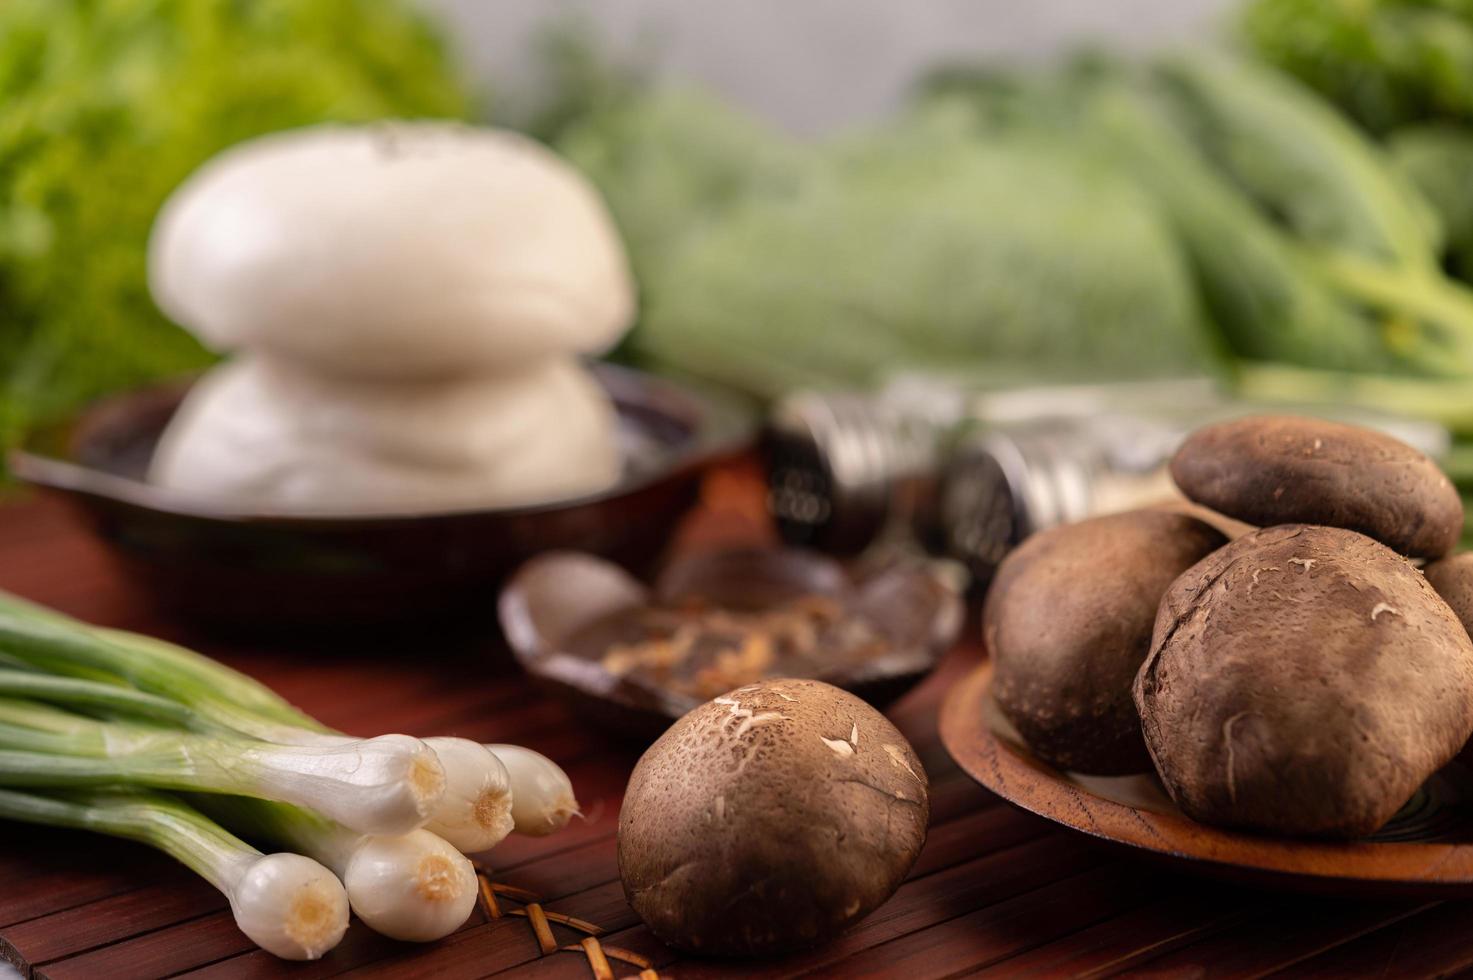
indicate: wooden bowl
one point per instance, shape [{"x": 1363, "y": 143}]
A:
[
  {"x": 1425, "y": 851},
  {"x": 244, "y": 569}
]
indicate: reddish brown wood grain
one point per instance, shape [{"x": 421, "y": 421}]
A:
[
  {"x": 1275, "y": 940},
  {"x": 997, "y": 933},
  {"x": 1124, "y": 943},
  {"x": 67, "y": 876},
  {"x": 1433, "y": 942},
  {"x": 191, "y": 942},
  {"x": 995, "y": 891},
  {"x": 92, "y": 925}
]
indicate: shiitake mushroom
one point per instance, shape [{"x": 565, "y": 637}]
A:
[
  {"x": 1283, "y": 469},
  {"x": 1068, "y": 621},
  {"x": 1452, "y": 577},
  {"x": 1303, "y": 681},
  {"x": 769, "y": 819}
]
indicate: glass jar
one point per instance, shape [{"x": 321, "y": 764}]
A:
[{"x": 968, "y": 473}]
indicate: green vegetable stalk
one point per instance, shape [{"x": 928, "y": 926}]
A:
[
  {"x": 1305, "y": 248},
  {"x": 54, "y": 643},
  {"x": 1299, "y": 159},
  {"x": 179, "y": 688},
  {"x": 1366, "y": 230},
  {"x": 1257, "y": 284},
  {"x": 1438, "y": 159},
  {"x": 104, "y": 700}
]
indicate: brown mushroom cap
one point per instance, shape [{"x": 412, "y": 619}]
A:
[
  {"x": 1303, "y": 681},
  {"x": 1068, "y": 620},
  {"x": 1282, "y": 469},
  {"x": 1452, "y": 577},
  {"x": 769, "y": 819}
]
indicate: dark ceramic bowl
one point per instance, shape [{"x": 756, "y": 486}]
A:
[
  {"x": 550, "y": 604},
  {"x": 243, "y": 569}
]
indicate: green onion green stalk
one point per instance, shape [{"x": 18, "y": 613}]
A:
[{"x": 474, "y": 812}]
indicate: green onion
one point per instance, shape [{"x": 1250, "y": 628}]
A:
[
  {"x": 473, "y": 814},
  {"x": 53, "y": 643},
  {"x": 484, "y": 798},
  {"x": 476, "y": 812},
  {"x": 109, "y": 700},
  {"x": 287, "y": 904},
  {"x": 415, "y": 887},
  {"x": 207, "y": 684},
  {"x": 385, "y": 785},
  {"x": 542, "y": 798}
]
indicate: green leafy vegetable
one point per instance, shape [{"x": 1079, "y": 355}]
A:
[
  {"x": 1258, "y": 287},
  {"x": 923, "y": 245},
  {"x": 1385, "y": 62},
  {"x": 1099, "y": 219},
  {"x": 1299, "y": 159},
  {"x": 674, "y": 160},
  {"x": 1305, "y": 248}
]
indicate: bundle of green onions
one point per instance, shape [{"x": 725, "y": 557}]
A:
[{"x": 96, "y": 726}]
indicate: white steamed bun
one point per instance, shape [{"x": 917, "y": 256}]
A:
[
  {"x": 259, "y": 433},
  {"x": 397, "y": 250}
]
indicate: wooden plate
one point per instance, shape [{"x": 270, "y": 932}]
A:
[
  {"x": 1426, "y": 850},
  {"x": 557, "y": 614}
]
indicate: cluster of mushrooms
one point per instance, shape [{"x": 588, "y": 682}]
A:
[
  {"x": 1301, "y": 679},
  {"x": 406, "y": 304}
]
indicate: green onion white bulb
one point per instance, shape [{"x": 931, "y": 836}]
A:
[
  {"x": 287, "y": 904},
  {"x": 542, "y": 799},
  {"x": 385, "y": 785},
  {"x": 475, "y": 812},
  {"x": 415, "y": 887},
  {"x": 290, "y": 905}
]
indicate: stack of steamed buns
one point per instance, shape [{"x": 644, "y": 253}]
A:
[{"x": 404, "y": 307}]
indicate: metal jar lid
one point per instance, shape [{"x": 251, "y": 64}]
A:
[
  {"x": 843, "y": 467},
  {"x": 1001, "y": 487}
]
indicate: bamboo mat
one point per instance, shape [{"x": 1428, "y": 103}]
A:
[{"x": 996, "y": 892}]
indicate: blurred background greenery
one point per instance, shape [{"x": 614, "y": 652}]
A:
[{"x": 1289, "y": 208}]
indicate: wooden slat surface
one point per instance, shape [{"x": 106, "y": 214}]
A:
[{"x": 997, "y": 892}]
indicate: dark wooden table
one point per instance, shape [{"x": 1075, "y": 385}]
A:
[{"x": 995, "y": 892}]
